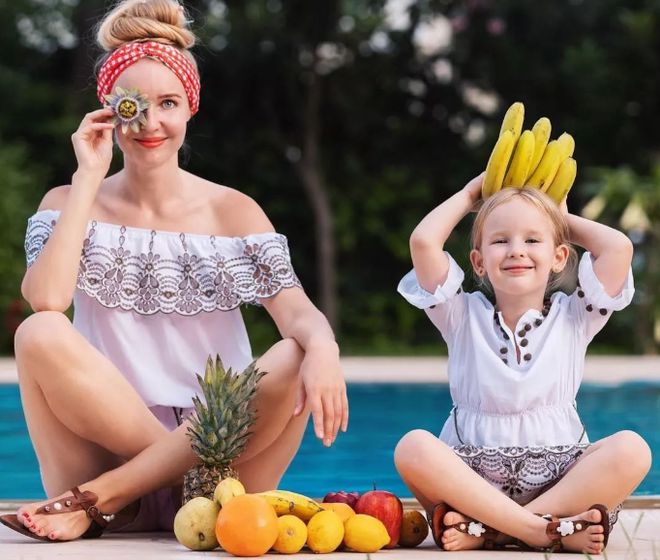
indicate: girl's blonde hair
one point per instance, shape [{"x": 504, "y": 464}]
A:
[
  {"x": 146, "y": 20},
  {"x": 548, "y": 207}
]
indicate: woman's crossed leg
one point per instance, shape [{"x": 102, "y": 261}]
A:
[{"x": 91, "y": 429}]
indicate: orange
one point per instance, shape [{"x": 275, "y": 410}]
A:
[
  {"x": 344, "y": 511},
  {"x": 247, "y": 526}
]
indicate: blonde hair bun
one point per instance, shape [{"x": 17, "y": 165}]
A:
[{"x": 142, "y": 20}]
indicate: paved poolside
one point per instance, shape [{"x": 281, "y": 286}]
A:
[
  {"x": 433, "y": 369},
  {"x": 636, "y": 536}
]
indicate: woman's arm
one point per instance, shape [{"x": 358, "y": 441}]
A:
[
  {"x": 323, "y": 381},
  {"x": 428, "y": 238},
  {"x": 49, "y": 284},
  {"x": 611, "y": 250},
  {"x": 296, "y": 317}
]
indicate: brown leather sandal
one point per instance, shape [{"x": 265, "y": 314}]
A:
[
  {"x": 557, "y": 529},
  {"x": 79, "y": 501},
  {"x": 468, "y": 527}
]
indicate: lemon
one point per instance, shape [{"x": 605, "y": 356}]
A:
[
  {"x": 344, "y": 511},
  {"x": 364, "y": 533},
  {"x": 292, "y": 534},
  {"x": 325, "y": 532}
]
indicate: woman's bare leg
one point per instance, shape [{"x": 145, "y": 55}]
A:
[
  {"x": 607, "y": 473},
  {"x": 166, "y": 459},
  {"x": 440, "y": 476}
]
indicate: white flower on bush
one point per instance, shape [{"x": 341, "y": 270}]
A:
[
  {"x": 476, "y": 529},
  {"x": 566, "y": 528}
]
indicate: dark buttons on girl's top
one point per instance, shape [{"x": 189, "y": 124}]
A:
[
  {"x": 505, "y": 360},
  {"x": 528, "y": 327},
  {"x": 603, "y": 311},
  {"x": 503, "y": 350},
  {"x": 522, "y": 332},
  {"x": 527, "y": 357},
  {"x": 537, "y": 322},
  {"x": 545, "y": 311},
  {"x": 432, "y": 307},
  {"x": 506, "y": 336},
  {"x": 580, "y": 293},
  {"x": 523, "y": 342},
  {"x": 590, "y": 307}
]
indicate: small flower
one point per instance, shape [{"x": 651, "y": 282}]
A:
[
  {"x": 128, "y": 106},
  {"x": 566, "y": 528},
  {"x": 476, "y": 529}
]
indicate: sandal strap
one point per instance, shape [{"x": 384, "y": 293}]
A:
[
  {"x": 474, "y": 529},
  {"x": 79, "y": 501}
]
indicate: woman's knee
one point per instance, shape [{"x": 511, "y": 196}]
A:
[
  {"x": 39, "y": 333},
  {"x": 631, "y": 453},
  {"x": 414, "y": 447}
]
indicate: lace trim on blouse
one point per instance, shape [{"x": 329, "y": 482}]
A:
[{"x": 148, "y": 282}]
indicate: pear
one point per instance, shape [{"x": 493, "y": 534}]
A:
[
  {"x": 194, "y": 524},
  {"x": 227, "y": 489}
]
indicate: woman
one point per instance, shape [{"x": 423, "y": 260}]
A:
[{"x": 104, "y": 396}]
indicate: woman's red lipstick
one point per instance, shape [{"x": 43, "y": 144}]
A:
[{"x": 150, "y": 142}]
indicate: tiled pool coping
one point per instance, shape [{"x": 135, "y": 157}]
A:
[{"x": 433, "y": 369}]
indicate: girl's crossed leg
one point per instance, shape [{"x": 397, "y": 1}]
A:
[
  {"x": 607, "y": 473},
  {"x": 90, "y": 428}
]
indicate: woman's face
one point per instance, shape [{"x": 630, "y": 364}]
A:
[{"x": 167, "y": 117}]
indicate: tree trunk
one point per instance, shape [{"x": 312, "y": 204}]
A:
[{"x": 311, "y": 175}]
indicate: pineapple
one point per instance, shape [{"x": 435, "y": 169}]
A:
[{"x": 219, "y": 428}]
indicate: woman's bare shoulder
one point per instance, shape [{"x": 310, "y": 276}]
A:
[
  {"x": 55, "y": 198},
  {"x": 239, "y": 213}
]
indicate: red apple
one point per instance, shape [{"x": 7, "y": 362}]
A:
[
  {"x": 349, "y": 498},
  {"x": 384, "y": 506}
]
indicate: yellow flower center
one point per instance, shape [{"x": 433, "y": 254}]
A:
[{"x": 127, "y": 109}]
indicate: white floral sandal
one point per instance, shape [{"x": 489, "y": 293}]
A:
[
  {"x": 557, "y": 529},
  {"x": 468, "y": 527}
]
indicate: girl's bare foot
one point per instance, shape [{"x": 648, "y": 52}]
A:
[
  {"x": 589, "y": 541},
  {"x": 61, "y": 526},
  {"x": 453, "y": 539}
]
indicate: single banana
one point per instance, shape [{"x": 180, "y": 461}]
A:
[
  {"x": 541, "y": 130},
  {"x": 547, "y": 168},
  {"x": 291, "y": 503},
  {"x": 281, "y": 505},
  {"x": 513, "y": 120},
  {"x": 563, "y": 181},
  {"x": 497, "y": 164},
  {"x": 567, "y": 144},
  {"x": 522, "y": 159}
]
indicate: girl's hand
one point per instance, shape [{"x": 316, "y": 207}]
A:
[
  {"x": 324, "y": 387},
  {"x": 92, "y": 142},
  {"x": 473, "y": 188}
]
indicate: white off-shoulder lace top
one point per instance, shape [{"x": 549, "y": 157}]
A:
[{"x": 158, "y": 303}]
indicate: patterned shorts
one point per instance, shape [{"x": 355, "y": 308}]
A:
[{"x": 523, "y": 473}]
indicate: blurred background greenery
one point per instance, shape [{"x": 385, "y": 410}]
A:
[{"x": 349, "y": 120}]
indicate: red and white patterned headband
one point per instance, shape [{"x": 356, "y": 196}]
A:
[{"x": 130, "y": 53}]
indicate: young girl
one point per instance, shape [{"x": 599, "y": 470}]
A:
[
  {"x": 157, "y": 262},
  {"x": 514, "y": 444}
]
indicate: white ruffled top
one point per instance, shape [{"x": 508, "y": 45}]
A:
[
  {"x": 499, "y": 402},
  {"x": 158, "y": 303}
]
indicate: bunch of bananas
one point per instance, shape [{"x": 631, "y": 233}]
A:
[
  {"x": 290, "y": 503},
  {"x": 530, "y": 158}
]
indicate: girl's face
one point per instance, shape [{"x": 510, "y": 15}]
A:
[
  {"x": 517, "y": 251},
  {"x": 167, "y": 116}
]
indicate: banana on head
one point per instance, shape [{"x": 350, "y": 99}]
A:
[
  {"x": 513, "y": 120},
  {"x": 541, "y": 131},
  {"x": 563, "y": 180},
  {"x": 521, "y": 161},
  {"x": 497, "y": 164},
  {"x": 547, "y": 168}
]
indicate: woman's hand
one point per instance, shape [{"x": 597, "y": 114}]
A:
[
  {"x": 324, "y": 387},
  {"x": 473, "y": 188},
  {"x": 92, "y": 142}
]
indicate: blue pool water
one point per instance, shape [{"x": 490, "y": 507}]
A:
[{"x": 380, "y": 414}]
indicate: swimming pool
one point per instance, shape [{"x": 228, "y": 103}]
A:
[{"x": 380, "y": 415}]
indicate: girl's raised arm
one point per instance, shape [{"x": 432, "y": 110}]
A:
[
  {"x": 428, "y": 238},
  {"x": 611, "y": 250}
]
